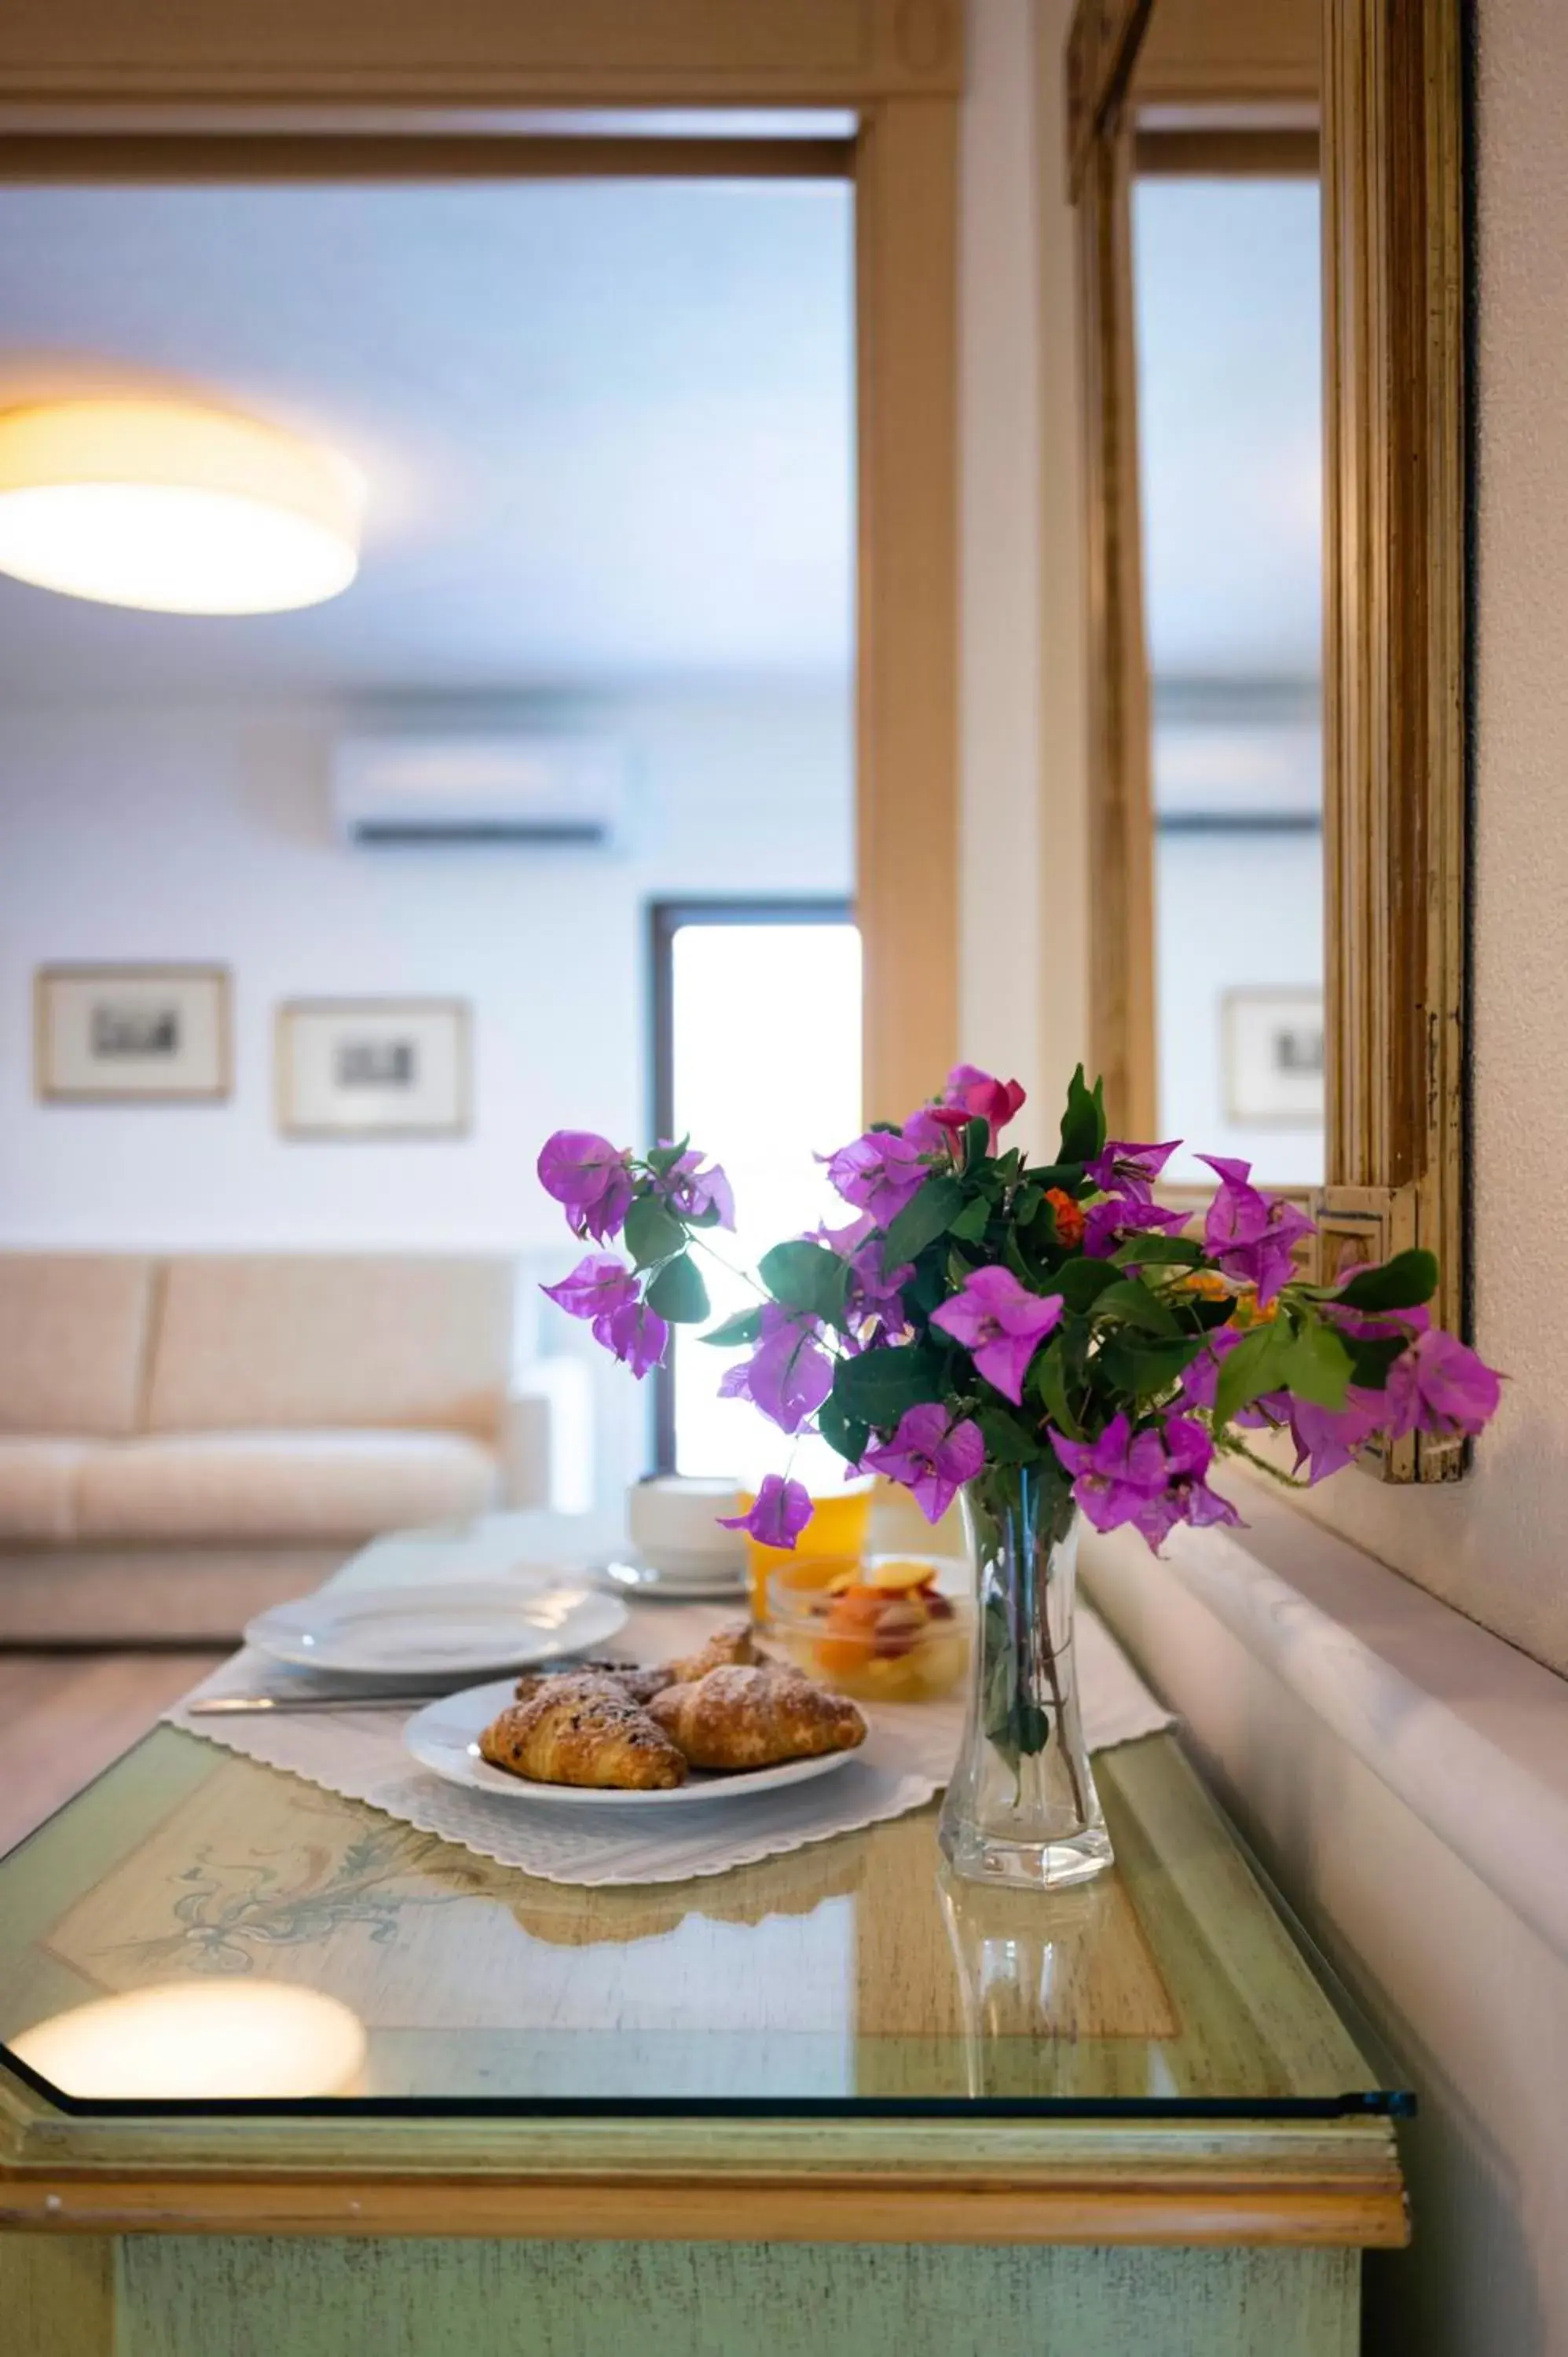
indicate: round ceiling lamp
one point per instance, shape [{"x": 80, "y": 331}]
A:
[{"x": 174, "y": 508}]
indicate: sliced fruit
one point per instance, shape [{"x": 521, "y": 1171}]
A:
[{"x": 897, "y": 1579}]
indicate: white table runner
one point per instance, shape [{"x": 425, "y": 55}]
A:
[{"x": 909, "y": 1757}]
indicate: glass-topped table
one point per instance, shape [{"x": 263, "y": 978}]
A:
[
  {"x": 854, "y": 1977},
  {"x": 757, "y": 2096}
]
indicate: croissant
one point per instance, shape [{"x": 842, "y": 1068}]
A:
[
  {"x": 749, "y": 1714},
  {"x": 731, "y": 1641},
  {"x": 637, "y": 1680},
  {"x": 584, "y": 1731}
]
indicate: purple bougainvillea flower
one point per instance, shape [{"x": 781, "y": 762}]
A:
[
  {"x": 694, "y": 1191},
  {"x": 634, "y": 1334},
  {"x": 788, "y": 1375},
  {"x": 874, "y": 1300},
  {"x": 879, "y": 1173},
  {"x": 930, "y": 1457},
  {"x": 1123, "y": 1169},
  {"x": 590, "y": 1178},
  {"x": 1115, "y": 1477},
  {"x": 1186, "y": 1496},
  {"x": 1327, "y": 1438},
  {"x": 1440, "y": 1385},
  {"x": 596, "y": 1285},
  {"x": 1113, "y": 1219},
  {"x": 1250, "y": 1235},
  {"x": 781, "y": 1513},
  {"x": 1002, "y": 1323}
]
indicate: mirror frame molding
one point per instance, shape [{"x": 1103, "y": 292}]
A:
[
  {"x": 338, "y": 87},
  {"x": 1392, "y": 144}
]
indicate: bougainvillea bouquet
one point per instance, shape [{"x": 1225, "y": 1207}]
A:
[{"x": 1046, "y": 1339}]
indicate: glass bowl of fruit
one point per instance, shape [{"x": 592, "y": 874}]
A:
[{"x": 892, "y": 1628}]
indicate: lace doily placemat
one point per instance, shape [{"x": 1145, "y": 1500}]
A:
[{"x": 907, "y": 1757}]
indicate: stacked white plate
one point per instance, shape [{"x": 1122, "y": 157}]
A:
[{"x": 447, "y": 1629}]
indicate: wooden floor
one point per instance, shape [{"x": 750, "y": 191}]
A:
[{"x": 63, "y": 1717}]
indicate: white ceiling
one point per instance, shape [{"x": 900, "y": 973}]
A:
[
  {"x": 607, "y": 425},
  {"x": 1230, "y": 424}
]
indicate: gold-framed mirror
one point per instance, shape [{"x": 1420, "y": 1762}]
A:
[{"x": 1360, "y": 103}]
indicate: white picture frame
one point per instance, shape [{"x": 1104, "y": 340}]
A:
[
  {"x": 130, "y": 1034},
  {"x": 373, "y": 1069},
  {"x": 1273, "y": 1057}
]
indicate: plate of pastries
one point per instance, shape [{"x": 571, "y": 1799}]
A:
[{"x": 725, "y": 1720}]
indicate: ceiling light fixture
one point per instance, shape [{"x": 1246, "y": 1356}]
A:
[{"x": 174, "y": 508}]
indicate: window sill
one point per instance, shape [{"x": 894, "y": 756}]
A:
[{"x": 1471, "y": 1734}]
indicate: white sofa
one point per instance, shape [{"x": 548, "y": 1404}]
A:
[{"x": 184, "y": 1440}]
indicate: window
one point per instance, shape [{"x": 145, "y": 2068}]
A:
[{"x": 758, "y": 1057}]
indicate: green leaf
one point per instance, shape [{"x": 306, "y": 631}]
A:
[
  {"x": 663, "y": 1158},
  {"x": 1027, "y": 1201},
  {"x": 1048, "y": 1380},
  {"x": 1136, "y": 1306},
  {"x": 923, "y": 1219},
  {"x": 678, "y": 1292},
  {"x": 1080, "y": 1283},
  {"x": 1317, "y": 1366},
  {"x": 1083, "y": 1122},
  {"x": 1370, "y": 1360},
  {"x": 976, "y": 1141},
  {"x": 1163, "y": 1251},
  {"x": 1007, "y": 1441},
  {"x": 841, "y": 1432},
  {"x": 970, "y": 1225},
  {"x": 808, "y": 1277},
  {"x": 1402, "y": 1282},
  {"x": 744, "y": 1327},
  {"x": 1146, "y": 1369},
  {"x": 1254, "y": 1366},
  {"x": 652, "y": 1232},
  {"x": 877, "y": 1387}
]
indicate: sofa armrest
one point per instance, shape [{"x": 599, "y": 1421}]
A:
[{"x": 547, "y": 1438}]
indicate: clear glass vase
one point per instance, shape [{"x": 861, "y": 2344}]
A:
[{"x": 1021, "y": 1807}]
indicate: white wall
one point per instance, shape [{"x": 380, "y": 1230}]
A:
[
  {"x": 168, "y": 833},
  {"x": 1023, "y": 947},
  {"x": 141, "y": 834}
]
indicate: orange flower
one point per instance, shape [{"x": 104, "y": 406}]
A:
[
  {"x": 1208, "y": 1283},
  {"x": 1068, "y": 1217}
]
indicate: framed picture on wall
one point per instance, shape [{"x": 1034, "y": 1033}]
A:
[
  {"x": 1272, "y": 1050},
  {"x": 132, "y": 1035},
  {"x": 374, "y": 1067}
]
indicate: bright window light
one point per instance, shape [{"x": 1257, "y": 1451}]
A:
[{"x": 764, "y": 1048}]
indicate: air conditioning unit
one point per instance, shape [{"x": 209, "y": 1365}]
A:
[{"x": 510, "y": 789}]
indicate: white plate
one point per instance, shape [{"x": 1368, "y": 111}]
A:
[
  {"x": 444, "y": 1737},
  {"x": 635, "y": 1576},
  {"x": 440, "y": 1629}
]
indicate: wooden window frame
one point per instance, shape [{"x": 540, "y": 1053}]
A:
[
  {"x": 352, "y": 88},
  {"x": 1395, "y": 635}
]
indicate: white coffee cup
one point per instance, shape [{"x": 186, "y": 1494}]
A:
[{"x": 673, "y": 1519}]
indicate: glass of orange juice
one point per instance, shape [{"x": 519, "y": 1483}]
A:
[{"x": 834, "y": 1538}]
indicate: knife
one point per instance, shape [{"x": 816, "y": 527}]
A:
[{"x": 232, "y": 1706}]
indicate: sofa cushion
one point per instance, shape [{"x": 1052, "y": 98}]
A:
[
  {"x": 299, "y": 1486},
  {"x": 75, "y": 1339},
  {"x": 290, "y": 1340},
  {"x": 38, "y": 1480}
]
